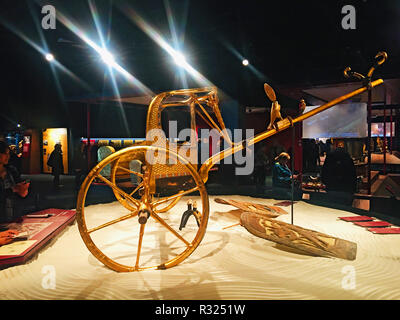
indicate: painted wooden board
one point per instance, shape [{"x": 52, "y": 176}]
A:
[
  {"x": 102, "y": 153},
  {"x": 135, "y": 165},
  {"x": 262, "y": 209},
  {"x": 284, "y": 203},
  {"x": 306, "y": 240}
]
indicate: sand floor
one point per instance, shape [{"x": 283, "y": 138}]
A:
[{"x": 228, "y": 264}]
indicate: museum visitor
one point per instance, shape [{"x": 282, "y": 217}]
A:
[
  {"x": 339, "y": 175},
  {"x": 282, "y": 178},
  {"x": 12, "y": 188}
]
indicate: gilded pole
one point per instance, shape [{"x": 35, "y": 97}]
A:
[{"x": 281, "y": 125}]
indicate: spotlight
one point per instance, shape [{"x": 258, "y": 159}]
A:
[
  {"x": 245, "y": 62},
  {"x": 49, "y": 57},
  {"x": 18, "y": 125},
  {"x": 179, "y": 59},
  {"x": 107, "y": 57}
]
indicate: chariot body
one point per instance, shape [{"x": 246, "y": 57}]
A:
[{"x": 145, "y": 231}]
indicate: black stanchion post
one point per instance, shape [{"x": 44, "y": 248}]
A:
[
  {"x": 293, "y": 146},
  {"x": 369, "y": 108}
]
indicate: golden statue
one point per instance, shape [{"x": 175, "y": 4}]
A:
[
  {"x": 302, "y": 106},
  {"x": 275, "y": 107}
]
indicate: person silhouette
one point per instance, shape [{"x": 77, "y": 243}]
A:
[
  {"x": 80, "y": 164},
  {"x": 55, "y": 161},
  {"x": 339, "y": 175},
  {"x": 12, "y": 187}
]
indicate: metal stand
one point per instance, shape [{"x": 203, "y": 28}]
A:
[
  {"x": 369, "y": 142},
  {"x": 384, "y": 132},
  {"x": 382, "y": 56},
  {"x": 293, "y": 145},
  {"x": 88, "y": 158}
]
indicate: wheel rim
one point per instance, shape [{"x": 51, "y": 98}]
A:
[{"x": 174, "y": 245}]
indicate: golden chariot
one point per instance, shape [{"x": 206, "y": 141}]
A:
[{"x": 152, "y": 238}]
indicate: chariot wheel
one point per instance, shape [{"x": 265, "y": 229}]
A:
[{"x": 143, "y": 230}]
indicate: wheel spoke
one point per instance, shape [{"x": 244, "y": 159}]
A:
[
  {"x": 130, "y": 215},
  {"x": 166, "y": 225},
  {"x": 169, "y": 206},
  {"x": 121, "y": 192},
  {"x": 130, "y": 171},
  {"x": 136, "y": 189},
  {"x": 141, "y": 232},
  {"x": 179, "y": 194}
]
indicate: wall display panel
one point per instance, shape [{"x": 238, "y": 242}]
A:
[
  {"x": 51, "y": 137},
  {"x": 377, "y": 129},
  {"x": 341, "y": 121}
]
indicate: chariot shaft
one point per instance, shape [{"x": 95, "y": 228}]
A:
[{"x": 282, "y": 125}]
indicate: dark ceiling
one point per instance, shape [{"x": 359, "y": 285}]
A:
[{"x": 286, "y": 42}]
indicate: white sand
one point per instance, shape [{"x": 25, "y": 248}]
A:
[{"x": 228, "y": 264}]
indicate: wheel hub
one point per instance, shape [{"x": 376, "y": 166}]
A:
[{"x": 144, "y": 215}]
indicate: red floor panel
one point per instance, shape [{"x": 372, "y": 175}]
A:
[
  {"x": 385, "y": 230},
  {"x": 358, "y": 218},
  {"x": 373, "y": 224}
]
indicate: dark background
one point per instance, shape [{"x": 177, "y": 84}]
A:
[{"x": 286, "y": 42}]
